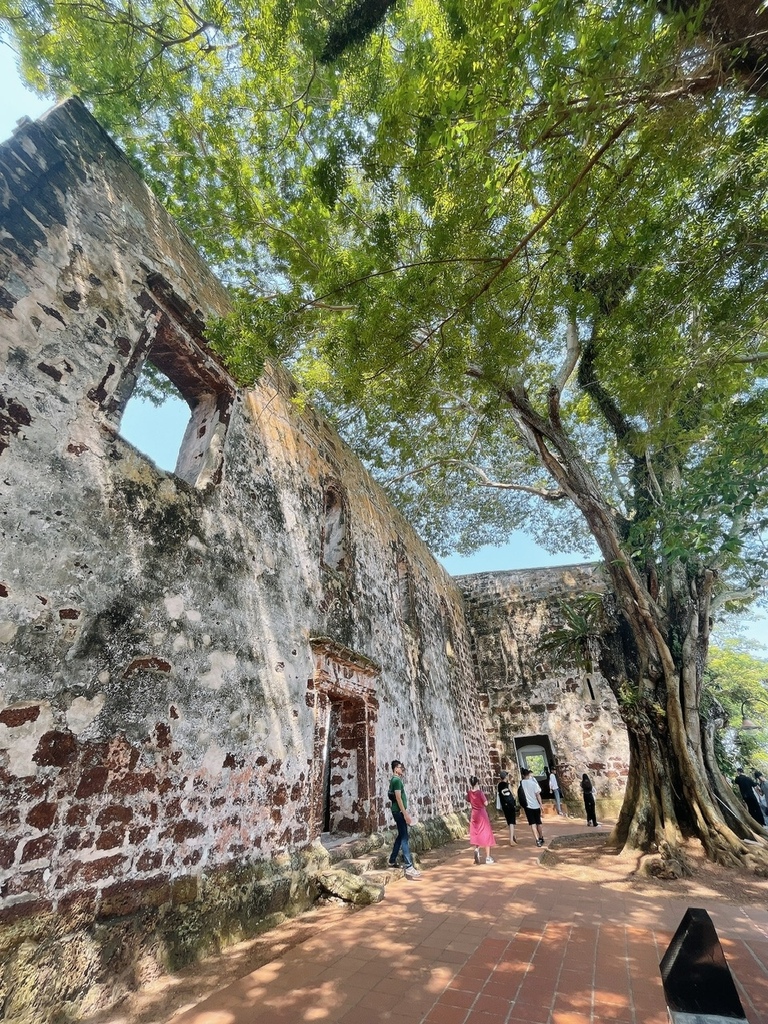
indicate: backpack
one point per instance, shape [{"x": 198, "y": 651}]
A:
[{"x": 521, "y": 796}]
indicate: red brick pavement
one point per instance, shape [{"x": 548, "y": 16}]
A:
[{"x": 508, "y": 943}]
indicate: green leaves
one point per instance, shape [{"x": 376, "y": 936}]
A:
[{"x": 414, "y": 220}]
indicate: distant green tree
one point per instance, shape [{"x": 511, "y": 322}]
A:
[{"x": 736, "y": 691}]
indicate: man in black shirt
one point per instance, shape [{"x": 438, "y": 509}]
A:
[
  {"x": 507, "y": 802},
  {"x": 747, "y": 790}
]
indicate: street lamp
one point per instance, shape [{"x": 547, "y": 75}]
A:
[{"x": 747, "y": 725}]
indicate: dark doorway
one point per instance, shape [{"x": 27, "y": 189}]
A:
[
  {"x": 328, "y": 757},
  {"x": 535, "y": 753}
]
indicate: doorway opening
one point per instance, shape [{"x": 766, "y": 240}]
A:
[
  {"x": 342, "y": 693},
  {"x": 535, "y": 754}
]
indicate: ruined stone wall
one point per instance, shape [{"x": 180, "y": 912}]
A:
[
  {"x": 525, "y": 695},
  {"x": 199, "y": 671}
]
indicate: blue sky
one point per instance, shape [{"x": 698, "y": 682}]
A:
[{"x": 158, "y": 433}]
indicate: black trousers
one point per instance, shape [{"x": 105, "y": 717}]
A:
[{"x": 589, "y": 807}]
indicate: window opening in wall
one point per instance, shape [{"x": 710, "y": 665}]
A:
[
  {"x": 156, "y": 418},
  {"x": 173, "y": 349},
  {"x": 334, "y": 538},
  {"x": 591, "y": 691}
]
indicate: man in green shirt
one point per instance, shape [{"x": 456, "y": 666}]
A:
[{"x": 399, "y": 808}]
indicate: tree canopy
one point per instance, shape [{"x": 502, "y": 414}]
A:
[
  {"x": 421, "y": 215},
  {"x": 520, "y": 253}
]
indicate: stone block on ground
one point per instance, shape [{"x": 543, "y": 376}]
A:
[{"x": 349, "y": 887}]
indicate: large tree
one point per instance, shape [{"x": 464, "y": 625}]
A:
[{"x": 521, "y": 250}]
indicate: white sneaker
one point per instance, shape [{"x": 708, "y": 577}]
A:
[
  {"x": 412, "y": 873},
  {"x": 477, "y": 856},
  {"x": 489, "y": 860}
]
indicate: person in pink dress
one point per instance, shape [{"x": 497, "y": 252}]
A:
[{"x": 480, "y": 828}]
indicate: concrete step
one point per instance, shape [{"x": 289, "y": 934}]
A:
[{"x": 362, "y": 865}]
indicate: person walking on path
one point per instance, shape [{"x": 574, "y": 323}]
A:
[
  {"x": 480, "y": 828},
  {"x": 507, "y": 803},
  {"x": 399, "y": 807},
  {"x": 532, "y": 793},
  {"x": 761, "y": 792},
  {"x": 589, "y": 800},
  {"x": 554, "y": 788},
  {"x": 748, "y": 795}
]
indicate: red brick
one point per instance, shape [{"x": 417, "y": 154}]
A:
[
  {"x": 183, "y": 830},
  {"x": 14, "y": 717},
  {"x": 96, "y": 870},
  {"x": 77, "y": 840},
  {"x": 163, "y": 732},
  {"x": 41, "y": 816},
  {"x": 148, "y": 664},
  {"x": 78, "y": 815},
  {"x": 111, "y": 838},
  {"x": 42, "y": 847},
  {"x": 132, "y": 783},
  {"x": 55, "y": 749},
  {"x": 280, "y": 796},
  {"x": 92, "y": 781},
  {"x": 113, "y": 814}
]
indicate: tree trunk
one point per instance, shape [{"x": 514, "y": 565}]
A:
[{"x": 675, "y": 791}]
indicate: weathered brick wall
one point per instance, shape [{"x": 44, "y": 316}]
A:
[
  {"x": 180, "y": 652},
  {"x": 524, "y": 694}
]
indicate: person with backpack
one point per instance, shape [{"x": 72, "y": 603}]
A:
[
  {"x": 399, "y": 807},
  {"x": 506, "y": 803},
  {"x": 530, "y": 791}
]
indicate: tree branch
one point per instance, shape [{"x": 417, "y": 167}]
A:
[
  {"x": 572, "y": 352},
  {"x": 485, "y": 480},
  {"x": 756, "y": 357}
]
